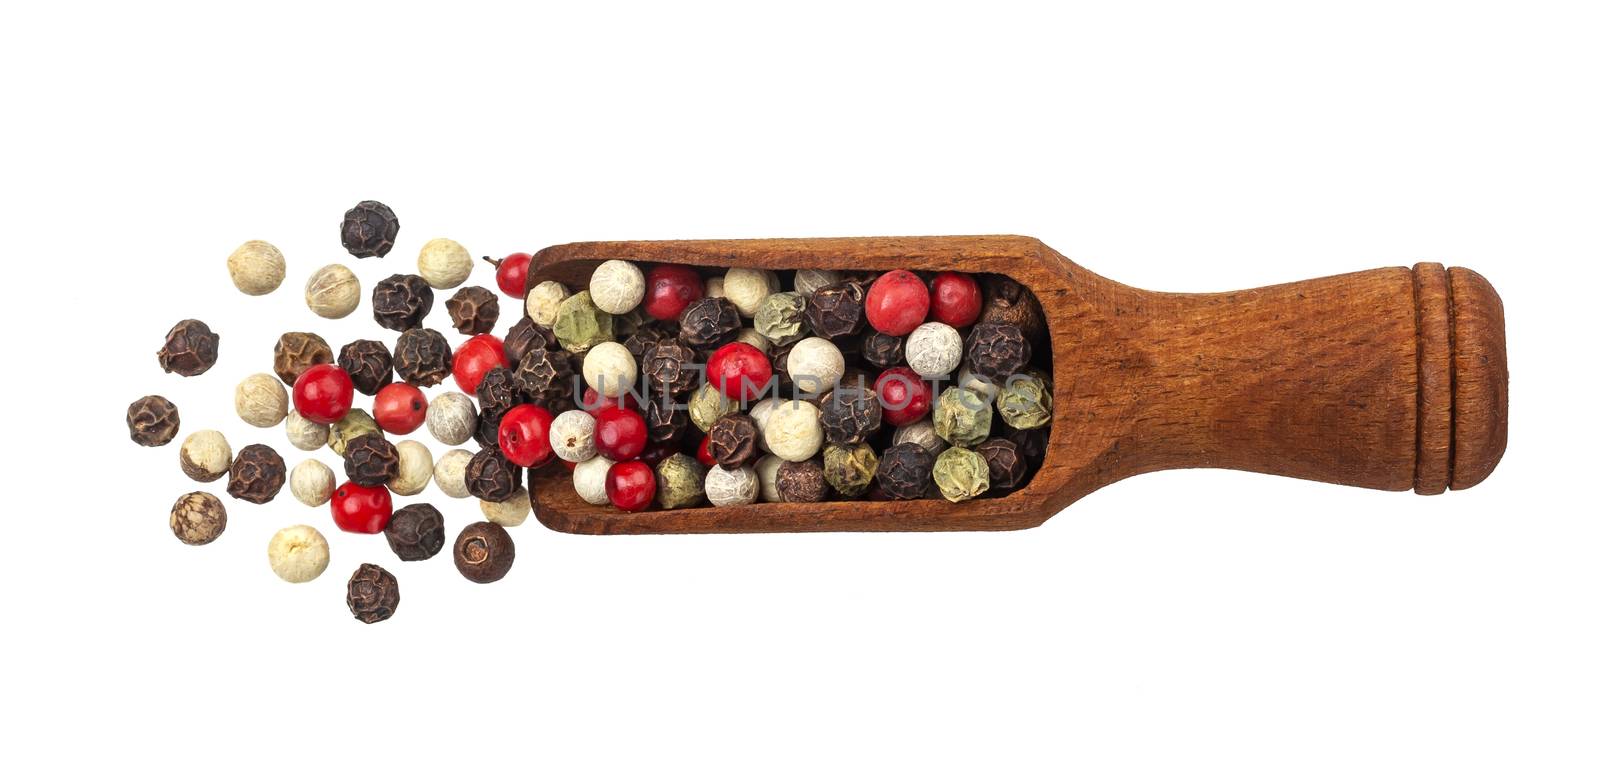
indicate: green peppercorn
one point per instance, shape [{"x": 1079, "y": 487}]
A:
[
  {"x": 781, "y": 318},
  {"x": 961, "y": 474},
  {"x": 580, "y": 324},
  {"x": 849, "y": 468},
  {"x": 355, "y": 423},
  {"x": 962, "y": 417},
  {"x": 1025, "y": 401},
  {"x": 680, "y": 482},
  {"x": 709, "y": 405}
]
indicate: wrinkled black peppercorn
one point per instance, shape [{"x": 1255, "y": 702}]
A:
[
  {"x": 297, "y": 351},
  {"x": 850, "y": 413},
  {"x": 837, "y": 310},
  {"x": 526, "y": 335},
  {"x": 882, "y": 350},
  {"x": 369, "y": 365},
  {"x": 733, "y": 440},
  {"x": 1031, "y": 442},
  {"x": 416, "y": 532},
  {"x": 1007, "y": 467},
  {"x": 644, "y": 340},
  {"x": 256, "y": 475},
  {"x": 665, "y": 417},
  {"x": 997, "y": 350},
  {"x": 484, "y": 552},
  {"x": 372, "y": 594},
  {"x": 473, "y": 310},
  {"x": 190, "y": 350},
  {"x": 422, "y": 357},
  {"x": 544, "y": 371},
  {"x": 709, "y": 323},
  {"x": 152, "y": 421},
  {"x": 497, "y": 392},
  {"x": 905, "y": 472},
  {"x": 401, "y": 301},
  {"x": 489, "y": 476},
  {"x": 801, "y": 482},
  {"x": 369, "y": 229},
  {"x": 671, "y": 368},
  {"x": 370, "y": 460}
]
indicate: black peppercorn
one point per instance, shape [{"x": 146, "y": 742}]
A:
[
  {"x": 996, "y": 350},
  {"x": 709, "y": 323},
  {"x": 882, "y": 350},
  {"x": 1031, "y": 442},
  {"x": 671, "y": 368},
  {"x": 370, "y": 460},
  {"x": 526, "y": 335},
  {"x": 643, "y": 340},
  {"x": 372, "y": 594},
  {"x": 369, "y": 229},
  {"x": 473, "y": 310},
  {"x": 401, "y": 301},
  {"x": 850, "y": 414},
  {"x": 906, "y": 471},
  {"x": 369, "y": 365},
  {"x": 837, "y": 310},
  {"x": 801, "y": 482},
  {"x": 1007, "y": 467},
  {"x": 542, "y": 370},
  {"x": 190, "y": 350},
  {"x": 422, "y": 357},
  {"x": 484, "y": 552},
  {"x": 297, "y": 351},
  {"x": 1007, "y": 301},
  {"x": 415, "y": 532},
  {"x": 665, "y": 417},
  {"x": 497, "y": 392},
  {"x": 256, "y": 475},
  {"x": 490, "y": 476},
  {"x": 152, "y": 421},
  {"x": 733, "y": 440}
]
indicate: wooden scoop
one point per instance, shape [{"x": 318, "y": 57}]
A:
[{"x": 1390, "y": 379}]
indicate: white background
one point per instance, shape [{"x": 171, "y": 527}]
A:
[{"x": 1181, "y": 621}]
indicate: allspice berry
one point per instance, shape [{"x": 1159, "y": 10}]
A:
[
  {"x": 373, "y": 594},
  {"x": 996, "y": 350},
  {"x": 490, "y": 476},
  {"x": 733, "y": 440},
  {"x": 444, "y": 263},
  {"x": 257, "y": 474},
  {"x": 484, "y": 552},
  {"x": 369, "y": 230},
  {"x": 190, "y": 349},
  {"x": 801, "y": 482},
  {"x": 422, "y": 357},
  {"x": 152, "y": 421},
  {"x": 579, "y": 324},
  {"x": 415, "y": 532},
  {"x": 473, "y": 310},
  {"x": 260, "y": 400},
  {"x": 837, "y": 310},
  {"x": 1007, "y": 467},
  {"x": 297, "y": 351},
  {"x": 198, "y": 518},
  {"x": 961, "y": 474},
  {"x": 298, "y": 554},
  {"x": 906, "y": 472},
  {"x": 708, "y": 323},
  {"x": 256, "y": 267},
  {"x": 333, "y": 292},
  {"x": 205, "y": 455},
  {"x": 356, "y": 423},
  {"x": 369, "y": 365},
  {"x": 401, "y": 301},
  {"x": 849, "y": 468},
  {"x": 680, "y": 482},
  {"x": 370, "y": 460}
]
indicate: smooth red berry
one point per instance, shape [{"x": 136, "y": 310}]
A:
[
  {"x": 480, "y": 355},
  {"x": 956, "y": 299},
  {"x": 594, "y": 402},
  {"x": 323, "y": 393},
  {"x": 364, "y": 509},
  {"x": 619, "y": 433},
  {"x": 897, "y": 302},
  {"x": 904, "y": 395},
  {"x": 631, "y": 485},
  {"x": 669, "y": 288},
  {"x": 511, "y": 273},
  {"x": 525, "y": 435},
  {"x": 400, "y": 408},
  {"x": 739, "y": 370},
  {"x": 703, "y": 454}
]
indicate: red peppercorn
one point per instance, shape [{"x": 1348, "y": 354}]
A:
[
  {"x": 897, "y": 302},
  {"x": 480, "y": 355},
  {"x": 525, "y": 436},
  {"x": 905, "y": 396},
  {"x": 323, "y": 393},
  {"x": 669, "y": 288},
  {"x": 703, "y": 454},
  {"x": 739, "y": 370},
  {"x": 594, "y": 402},
  {"x": 619, "y": 433},
  {"x": 631, "y": 485},
  {"x": 400, "y": 408},
  {"x": 956, "y": 299},
  {"x": 364, "y": 509},
  {"x": 511, "y": 273}
]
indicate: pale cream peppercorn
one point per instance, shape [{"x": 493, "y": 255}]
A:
[
  {"x": 981, "y": 385},
  {"x": 305, "y": 434},
  {"x": 261, "y": 400},
  {"x": 311, "y": 482},
  {"x": 444, "y": 263},
  {"x": 572, "y": 435},
  {"x": 257, "y": 268},
  {"x": 808, "y": 281},
  {"x": 510, "y": 513},
  {"x": 759, "y": 413},
  {"x": 609, "y": 368},
  {"x": 333, "y": 291},
  {"x": 747, "y": 287},
  {"x": 589, "y": 479},
  {"x": 452, "y": 418},
  {"x": 739, "y": 486},
  {"x": 616, "y": 286},
  {"x": 450, "y": 472},
  {"x": 715, "y": 287},
  {"x": 794, "y": 430},
  {"x": 205, "y": 455},
  {"x": 921, "y": 433},
  {"x": 298, "y": 554},
  {"x": 543, "y": 301},
  {"x": 815, "y": 365},
  {"x": 415, "y": 470},
  {"x": 767, "y": 473},
  {"x": 933, "y": 350}
]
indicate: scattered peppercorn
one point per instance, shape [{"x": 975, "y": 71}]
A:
[
  {"x": 882, "y": 350},
  {"x": 801, "y": 482},
  {"x": 257, "y": 474},
  {"x": 369, "y": 229},
  {"x": 422, "y": 357},
  {"x": 297, "y": 351},
  {"x": 837, "y": 310},
  {"x": 190, "y": 349},
  {"x": 490, "y": 476},
  {"x": 256, "y": 268},
  {"x": 709, "y": 323},
  {"x": 198, "y": 518},
  {"x": 484, "y": 552},
  {"x": 372, "y": 594},
  {"x": 526, "y": 335},
  {"x": 850, "y": 414},
  {"x": 1007, "y": 468},
  {"x": 152, "y": 421},
  {"x": 205, "y": 455},
  {"x": 369, "y": 365},
  {"x": 356, "y": 423},
  {"x": 997, "y": 350},
  {"x": 732, "y": 440},
  {"x": 333, "y": 292},
  {"x": 473, "y": 310},
  {"x": 415, "y": 532},
  {"x": 400, "y": 301},
  {"x": 905, "y": 472},
  {"x": 370, "y": 460}
]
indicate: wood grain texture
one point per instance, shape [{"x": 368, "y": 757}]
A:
[{"x": 1391, "y": 379}]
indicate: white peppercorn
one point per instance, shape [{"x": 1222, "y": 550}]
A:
[
  {"x": 444, "y": 263},
  {"x": 609, "y": 368},
  {"x": 738, "y": 486},
  {"x": 543, "y": 301},
  {"x": 298, "y": 554},
  {"x": 333, "y": 291},
  {"x": 311, "y": 482},
  {"x": 303, "y": 433},
  {"x": 261, "y": 400},
  {"x": 794, "y": 430},
  {"x": 747, "y": 287},
  {"x": 616, "y": 286},
  {"x": 572, "y": 435},
  {"x": 589, "y": 478},
  {"x": 450, "y": 472},
  {"x": 981, "y": 385},
  {"x": 205, "y": 455},
  {"x": 759, "y": 413},
  {"x": 707, "y": 405},
  {"x": 933, "y": 350},
  {"x": 921, "y": 433},
  {"x": 715, "y": 288},
  {"x": 754, "y": 338},
  {"x": 257, "y": 268},
  {"x": 452, "y": 418},
  {"x": 815, "y": 365},
  {"x": 767, "y": 474},
  {"x": 509, "y": 513},
  {"x": 808, "y": 281},
  {"x": 415, "y": 469}
]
